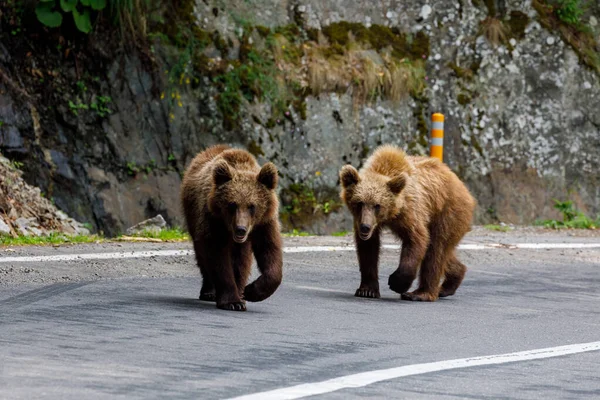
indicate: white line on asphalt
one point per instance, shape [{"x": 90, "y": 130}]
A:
[
  {"x": 98, "y": 256},
  {"x": 295, "y": 249},
  {"x": 367, "y": 378},
  {"x": 318, "y": 289}
]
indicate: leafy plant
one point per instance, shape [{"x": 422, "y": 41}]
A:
[
  {"x": 100, "y": 106},
  {"x": 49, "y": 12},
  {"x": 16, "y": 164},
  {"x": 132, "y": 168},
  {"x": 569, "y": 11},
  {"x": 572, "y": 218},
  {"x": 81, "y": 86},
  {"x": 76, "y": 107}
]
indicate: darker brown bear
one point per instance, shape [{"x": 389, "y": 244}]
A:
[
  {"x": 424, "y": 204},
  {"x": 231, "y": 211}
]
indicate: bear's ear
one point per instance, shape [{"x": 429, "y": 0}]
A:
[
  {"x": 349, "y": 176},
  {"x": 268, "y": 176},
  {"x": 222, "y": 173},
  {"x": 397, "y": 183}
]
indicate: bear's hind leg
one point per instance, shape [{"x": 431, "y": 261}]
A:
[
  {"x": 432, "y": 270},
  {"x": 368, "y": 259},
  {"x": 455, "y": 272},
  {"x": 207, "y": 292}
]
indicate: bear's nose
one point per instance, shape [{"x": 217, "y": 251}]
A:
[
  {"x": 364, "y": 229},
  {"x": 241, "y": 231}
]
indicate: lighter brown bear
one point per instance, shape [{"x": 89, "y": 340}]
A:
[
  {"x": 424, "y": 204},
  {"x": 231, "y": 211}
]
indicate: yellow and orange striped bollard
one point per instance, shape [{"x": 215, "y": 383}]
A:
[{"x": 436, "y": 142}]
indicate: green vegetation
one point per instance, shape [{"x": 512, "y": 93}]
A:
[
  {"x": 499, "y": 228},
  {"x": 16, "y": 164},
  {"x": 563, "y": 16},
  {"x": 295, "y": 233},
  {"x": 75, "y": 108},
  {"x": 52, "y": 239},
  {"x": 100, "y": 106},
  {"x": 572, "y": 218},
  {"x": 133, "y": 169},
  {"x": 301, "y": 204},
  {"x": 49, "y": 12},
  {"x": 301, "y": 199},
  {"x": 570, "y": 11},
  {"x": 340, "y": 233},
  {"x": 166, "y": 235}
]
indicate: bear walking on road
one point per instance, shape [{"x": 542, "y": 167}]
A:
[
  {"x": 231, "y": 210},
  {"x": 424, "y": 204}
]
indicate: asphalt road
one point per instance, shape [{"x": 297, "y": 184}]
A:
[{"x": 132, "y": 328}]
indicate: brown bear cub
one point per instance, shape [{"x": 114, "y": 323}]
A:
[
  {"x": 231, "y": 210},
  {"x": 425, "y": 205}
]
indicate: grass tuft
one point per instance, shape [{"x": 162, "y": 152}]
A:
[
  {"x": 166, "y": 235},
  {"x": 52, "y": 239},
  {"x": 340, "y": 233},
  {"x": 296, "y": 233},
  {"x": 499, "y": 228}
]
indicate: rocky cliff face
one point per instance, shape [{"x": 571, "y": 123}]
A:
[{"x": 107, "y": 135}]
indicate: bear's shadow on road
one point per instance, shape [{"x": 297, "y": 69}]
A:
[
  {"x": 386, "y": 297},
  {"x": 189, "y": 303}
]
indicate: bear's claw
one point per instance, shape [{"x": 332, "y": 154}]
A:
[
  {"x": 210, "y": 296},
  {"x": 368, "y": 293},
  {"x": 418, "y": 296},
  {"x": 238, "y": 306},
  {"x": 446, "y": 293}
]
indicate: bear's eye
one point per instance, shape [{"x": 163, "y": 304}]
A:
[
  {"x": 232, "y": 206},
  {"x": 359, "y": 205},
  {"x": 377, "y": 207},
  {"x": 252, "y": 209}
]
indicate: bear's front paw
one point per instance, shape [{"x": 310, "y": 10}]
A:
[
  {"x": 418, "y": 296},
  {"x": 236, "y": 306},
  {"x": 400, "y": 282},
  {"x": 367, "y": 292},
  {"x": 208, "y": 296}
]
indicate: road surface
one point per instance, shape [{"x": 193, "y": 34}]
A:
[{"x": 127, "y": 324}]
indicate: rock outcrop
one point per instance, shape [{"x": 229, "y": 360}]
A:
[
  {"x": 520, "y": 100},
  {"x": 24, "y": 211}
]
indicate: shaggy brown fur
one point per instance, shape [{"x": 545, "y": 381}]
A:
[
  {"x": 423, "y": 203},
  {"x": 231, "y": 211}
]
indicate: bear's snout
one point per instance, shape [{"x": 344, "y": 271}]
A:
[
  {"x": 240, "y": 234},
  {"x": 365, "y": 231}
]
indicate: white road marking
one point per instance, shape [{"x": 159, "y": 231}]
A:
[
  {"x": 318, "y": 289},
  {"x": 294, "y": 249},
  {"x": 98, "y": 256},
  {"x": 367, "y": 378},
  {"x": 316, "y": 249}
]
